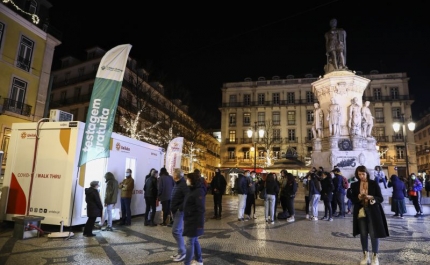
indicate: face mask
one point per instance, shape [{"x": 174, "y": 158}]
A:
[
  {"x": 413, "y": 177},
  {"x": 127, "y": 174},
  {"x": 188, "y": 182}
]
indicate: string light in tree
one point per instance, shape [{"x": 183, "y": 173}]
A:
[{"x": 34, "y": 17}]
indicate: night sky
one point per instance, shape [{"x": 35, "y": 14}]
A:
[{"x": 194, "y": 48}]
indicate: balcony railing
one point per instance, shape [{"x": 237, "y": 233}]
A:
[
  {"x": 23, "y": 63},
  {"x": 291, "y": 140},
  {"x": 388, "y": 98},
  {"x": 16, "y": 107},
  {"x": 269, "y": 103},
  {"x": 382, "y": 138},
  {"x": 308, "y": 139},
  {"x": 379, "y": 119},
  {"x": 397, "y": 138},
  {"x": 231, "y": 141},
  {"x": 72, "y": 81}
]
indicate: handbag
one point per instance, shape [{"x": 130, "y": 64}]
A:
[
  {"x": 412, "y": 193},
  {"x": 361, "y": 213},
  {"x": 263, "y": 194}
]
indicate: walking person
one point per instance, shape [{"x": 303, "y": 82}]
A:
[
  {"x": 218, "y": 186},
  {"x": 368, "y": 217},
  {"x": 398, "y": 205},
  {"x": 327, "y": 188},
  {"x": 272, "y": 188},
  {"x": 127, "y": 187},
  {"x": 151, "y": 191},
  {"x": 94, "y": 207},
  {"x": 165, "y": 187},
  {"x": 242, "y": 191},
  {"x": 250, "y": 198},
  {"x": 179, "y": 192},
  {"x": 415, "y": 187},
  {"x": 314, "y": 196},
  {"x": 194, "y": 218},
  {"x": 111, "y": 197}
]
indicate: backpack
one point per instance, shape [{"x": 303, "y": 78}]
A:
[{"x": 345, "y": 182}]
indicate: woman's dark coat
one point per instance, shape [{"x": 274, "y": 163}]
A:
[
  {"x": 376, "y": 212},
  {"x": 194, "y": 211},
  {"x": 94, "y": 203}
]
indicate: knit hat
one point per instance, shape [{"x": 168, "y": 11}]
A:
[
  {"x": 336, "y": 170},
  {"x": 94, "y": 183}
]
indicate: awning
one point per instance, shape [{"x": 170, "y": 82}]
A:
[
  {"x": 245, "y": 149},
  {"x": 230, "y": 149},
  {"x": 276, "y": 149}
]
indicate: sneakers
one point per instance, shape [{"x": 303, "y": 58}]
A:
[
  {"x": 272, "y": 223},
  {"x": 307, "y": 216},
  {"x": 194, "y": 262},
  {"x": 330, "y": 219},
  {"x": 365, "y": 260},
  {"x": 323, "y": 218},
  {"x": 109, "y": 228},
  {"x": 291, "y": 219},
  {"x": 401, "y": 216},
  {"x": 375, "y": 260},
  {"x": 241, "y": 219},
  {"x": 315, "y": 218},
  {"x": 254, "y": 217},
  {"x": 179, "y": 257}
]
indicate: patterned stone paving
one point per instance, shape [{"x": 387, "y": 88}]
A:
[{"x": 225, "y": 241}]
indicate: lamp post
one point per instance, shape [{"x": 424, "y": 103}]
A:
[
  {"x": 411, "y": 127},
  {"x": 251, "y": 133}
]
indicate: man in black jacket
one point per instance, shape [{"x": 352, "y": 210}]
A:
[
  {"x": 218, "y": 185},
  {"x": 242, "y": 191}
]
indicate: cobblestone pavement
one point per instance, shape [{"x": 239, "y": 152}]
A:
[{"x": 225, "y": 241}]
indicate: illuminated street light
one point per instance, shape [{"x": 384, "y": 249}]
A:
[
  {"x": 251, "y": 133},
  {"x": 411, "y": 127}
]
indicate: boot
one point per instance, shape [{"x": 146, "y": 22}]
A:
[
  {"x": 365, "y": 259},
  {"x": 375, "y": 260},
  {"x": 152, "y": 219}
]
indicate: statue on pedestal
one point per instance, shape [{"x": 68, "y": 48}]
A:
[
  {"x": 318, "y": 125},
  {"x": 354, "y": 122},
  {"x": 333, "y": 118},
  {"x": 367, "y": 123},
  {"x": 335, "y": 42}
]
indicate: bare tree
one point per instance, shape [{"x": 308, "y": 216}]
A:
[{"x": 269, "y": 141}]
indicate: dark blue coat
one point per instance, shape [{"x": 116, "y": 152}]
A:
[
  {"x": 399, "y": 187},
  {"x": 180, "y": 190},
  {"x": 194, "y": 211},
  {"x": 94, "y": 203}
]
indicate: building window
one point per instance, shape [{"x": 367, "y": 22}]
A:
[
  {"x": 247, "y": 99},
  {"x": 377, "y": 93},
  {"x": 276, "y": 152},
  {"x": 32, "y": 9},
  {"x": 75, "y": 114},
  {"x": 291, "y": 135},
  {"x": 276, "y": 98},
  {"x": 261, "y": 118},
  {"x": 290, "y": 97},
  {"x": 17, "y": 94},
  {"x": 66, "y": 77},
  {"x": 276, "y": 118},
  {"x": 81, "y": 71},
  {"x": 246, "y": 119},
  {"x": 309, "y": 116},
  {"x": 379, "y": 131},
  {"x": 309, "y": 97},
  {"x": 396, "y": 113},
  {"x": 77, "y": 93},
  {"x": 2, "y": 26},
  {"x": 291, "y": 117},
  {"x": 233, "y": 99},
  {"x": 309, "y": 133},
  {"x": 25, "y": 53},
  {"x": 232, "y": 119},
  {"x": 261, "y": 99},
  {"x": 379, "y": 115},
  {"x": 383, "y": 152},
  {"x": 400, "y": 152},
  {"x": 245, "y": 151},
  {"x": 276, "y": 135},
  {"x": 232, "y": 136},
  {"x": 394, "y": 92},
  {"x": 231, "y": 154},
  {"x": 424, "y": 134}
]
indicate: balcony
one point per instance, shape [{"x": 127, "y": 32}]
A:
[
  {"x": 23, "y": 63},
  {"x": 382, "y": 138},
  {"x": 269, "y": 103},
  {"x": 397, "y": 138},
  {"x": 16, "y": 107},
  {"x": 388, "y": 98},
  {"x": 73, "y": 81},
  {"x": 291, "y": 140},
  {"x": 379, "y": 120},
  {"x": 308, "y": 139},
  {"x": 231, "y": 141}
]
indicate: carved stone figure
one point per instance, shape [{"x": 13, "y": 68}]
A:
[
  {"x": 354, "y": 123},
  {"x": 318, "y": 125},
  {"x": 335, "y": 41},
  {"x": 333, "y": 117},
  {"x": 367, "y": 123}
]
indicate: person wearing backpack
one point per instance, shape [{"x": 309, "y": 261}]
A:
[{"x": 338, "y": 183}]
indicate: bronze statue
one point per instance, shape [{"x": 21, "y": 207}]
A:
[{"x": 335, "y": 42}]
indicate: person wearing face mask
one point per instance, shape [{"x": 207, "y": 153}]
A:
[
  {"x": 127, "y": 187},
  {"x": 242, "y": 191},
  {"x": 151, "y": 192},
  {"x": 415, "y": 187}
]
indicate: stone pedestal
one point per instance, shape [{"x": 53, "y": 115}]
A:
[{"x": 344, "y": 150}]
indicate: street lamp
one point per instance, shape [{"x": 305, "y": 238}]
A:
[
  {"x": 411, "y": 127},
  {"x": 250, "y": 133}
]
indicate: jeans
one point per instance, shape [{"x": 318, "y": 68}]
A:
[
  {"x": 126, "y": 211},
  {"x": 340, "y": 199},
  {"x": 307, "y": 204},
  {"x": 327, "y": 206},
  {"x": 349, "y": 205},
  {"x": 313, "y": 204},
  {"x": 177, "y": 229},
  {"x": 290, "y": 206},
  {"x": 269, "y": 206},
  {"x": 107, "y": 213},
  {"x": 416, "y": 200},
  {"x": 193, "y": 249},
  {"x": 283, "y": 200},
  {"x": 366, "y": 229},
  {"x": 217, "y": 204},
  {"x": 241, "y": 206},
  {"x": 150, "y": 204},
  {"x": 165, "y": 206}
]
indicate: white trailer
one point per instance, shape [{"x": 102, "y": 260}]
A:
[{"x": 55, "y": 190}]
